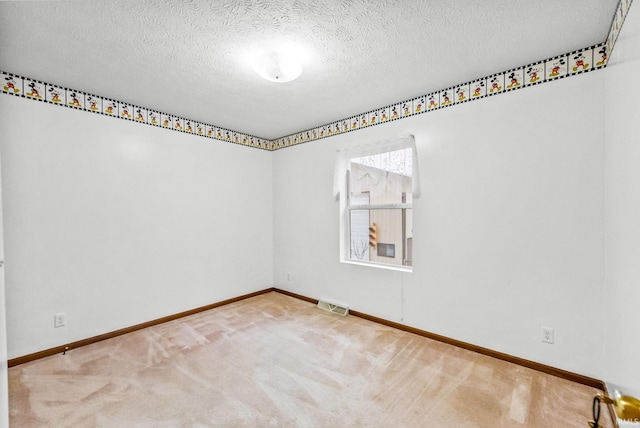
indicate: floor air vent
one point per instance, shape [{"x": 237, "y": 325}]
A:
[{"x": 336, "y": 308}]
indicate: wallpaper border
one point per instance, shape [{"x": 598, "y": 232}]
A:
[
  {"x": 616, "y": 25},
  {"x": 558, "y": 67},
  {"x": 25, "y": 87}
]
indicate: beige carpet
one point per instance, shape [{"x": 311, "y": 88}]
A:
[{"x": 276, "y": 361}]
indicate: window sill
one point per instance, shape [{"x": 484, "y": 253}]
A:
[{"x": 379, "y": 266}]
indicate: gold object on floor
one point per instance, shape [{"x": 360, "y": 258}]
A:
[{"x": 626, "y": 407}]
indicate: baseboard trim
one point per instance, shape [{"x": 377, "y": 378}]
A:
[
  {"x": 73, "y": 345},
  {"x": 564, "y": 374},
  {"x": 574, "y": 377},
  {"x": 297, "y": 296}
]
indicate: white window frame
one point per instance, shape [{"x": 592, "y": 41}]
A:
[{"x": 342, "y": 188}]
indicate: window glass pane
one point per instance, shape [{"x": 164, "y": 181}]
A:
[
  {"x": 384, "y": 178},
  {"x": 359, "y": 239},
  {"x": 381, "y": 235},
  {"x": 408, "y": 238}
]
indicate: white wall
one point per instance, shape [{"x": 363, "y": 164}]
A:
[
  {"x": 117, "y": 223},
  {"x": 622, "y": 347},
  {"x": 508, "y": 230},
  {"x": 4, "y": 381}
]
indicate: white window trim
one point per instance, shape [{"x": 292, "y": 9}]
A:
[
  {"x": 341, "y": 192},
  {"x": 378, "y": 265}
]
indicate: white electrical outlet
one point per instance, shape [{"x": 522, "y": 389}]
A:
[
  {"x": 60, "y": 320},
  {"x": 547, "y": 334},
  {"x": 288, "y": 276}
]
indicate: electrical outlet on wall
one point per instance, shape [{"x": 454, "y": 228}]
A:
[
  {"x": 547, "y": 334},
  {"x": 60, "y": 320},
  {"x": 288, "y": 276}
]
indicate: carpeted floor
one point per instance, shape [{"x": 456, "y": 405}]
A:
[{"x": 276, "y": 361}]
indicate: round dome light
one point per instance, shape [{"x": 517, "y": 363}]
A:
[{"x": 277, "y": 67}]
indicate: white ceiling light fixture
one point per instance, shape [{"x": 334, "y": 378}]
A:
[{"x": 277, "y": 67}]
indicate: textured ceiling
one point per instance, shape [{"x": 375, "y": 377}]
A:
[{"x": 190, "y": 57}]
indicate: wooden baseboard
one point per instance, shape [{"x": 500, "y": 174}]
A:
[
  {"x": 73, "y": 345},
  {"x": 574, "y": 377},
  {"x": 297, "y": 296}
]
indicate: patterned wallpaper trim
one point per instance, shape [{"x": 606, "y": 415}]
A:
[
  {"x": 570, "y": 64},
  {"x": 561, "y": 66},
  {"x": 558, "y": 67},
  {"x": 616, "y": 25},
  {"x": 37, "y": 90}
]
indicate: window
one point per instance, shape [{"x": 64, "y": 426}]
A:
[{"x": 377, "y": 203}]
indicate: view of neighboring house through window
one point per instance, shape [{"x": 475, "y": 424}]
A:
[{"x": 380, "y": 208}]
